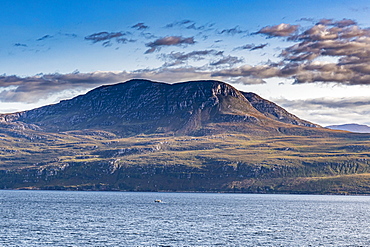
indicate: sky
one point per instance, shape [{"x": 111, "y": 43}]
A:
[{"x": 310, "y": 57}]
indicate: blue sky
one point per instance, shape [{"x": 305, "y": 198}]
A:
[{"x": 308, "y": 56}]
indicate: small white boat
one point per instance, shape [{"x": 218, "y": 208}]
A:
[{"x": 158, "y": 201}]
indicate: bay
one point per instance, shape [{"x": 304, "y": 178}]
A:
[{"x": 63, "y": 218}]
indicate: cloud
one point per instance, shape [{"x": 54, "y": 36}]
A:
[
  {"x": 328, "y": 51},
  {"x": 306, "y": 19},
  {"x": 342, "y": 23},
  {"x": 107, "y": 37},
  {"x": 45, "y": 37},
  {"x": 20, "y": 45},
  {"x": 247, "y": 80},
  {"x": 71, "y": 35},
  {"x": 251, "y": 47},
  {"x": 103, "y": 36},
  {"x": 323, "y": 52},
  {"x": 40, "y": 87},
  {"x": 233, "y": 31},
  {"x": 168, "y": 41},
  {"x": 178, "y": 58},
  {"x": 343, "y": 40},
  {"x": 50, "y": 88},
  {"x": 261, "y": 46},
  {"x": 281, "y": 30},
  {"x": 35, "y": 88},
  {"x": 45, "y": 43},
  {"x": 259, "y": 71},
  {"x": 328, "y": 111},
  {"x": 363, "y": 9},
  {"x": 148, "y": 35},
  {"x": 229, "y": 60},
  {"x": 344, "y": 102},
  {"x": 140, "y": 26},
  {"x": 189, "y": 24},
  {"x": 181, "y": 23}
]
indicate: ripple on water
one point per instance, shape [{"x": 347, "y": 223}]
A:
[{"x": 57, "y": 218}]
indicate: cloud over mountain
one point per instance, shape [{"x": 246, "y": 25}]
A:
[
  {"x": 329, "y": 110},
  {"x": 343, "y": 46},
  {"x": 34, "y": 88}
]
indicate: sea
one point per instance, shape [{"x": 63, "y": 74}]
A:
[{"x": 64, "y": 218}]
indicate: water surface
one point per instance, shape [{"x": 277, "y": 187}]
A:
[{"x": 60, "y": 218}]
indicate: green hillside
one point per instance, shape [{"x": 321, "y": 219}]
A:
[{"x": 233, "y": 162}]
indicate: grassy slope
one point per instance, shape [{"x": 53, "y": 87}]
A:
[{"x": 228, "y": 162}]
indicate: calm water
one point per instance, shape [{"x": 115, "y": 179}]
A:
[{"x": 54, "y": 218}]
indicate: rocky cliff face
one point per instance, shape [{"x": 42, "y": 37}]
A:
[
  {"x": 273, "y": 111},
  {"x": 142, "y": 106}
]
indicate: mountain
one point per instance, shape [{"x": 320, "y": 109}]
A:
[
  {"x": 273, "y": 111},
  {"x": 142, "y": 106},
  {"x": 192, "y": 136},
  {"x": 357, "y": 128}
]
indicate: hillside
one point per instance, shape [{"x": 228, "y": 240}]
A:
[
  {"x": 191, "y": 136},
  {"x": 273, "y": 111}
]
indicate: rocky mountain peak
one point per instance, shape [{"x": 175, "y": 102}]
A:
[{"x": 142, "y": 106}]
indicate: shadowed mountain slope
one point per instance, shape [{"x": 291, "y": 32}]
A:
[
  {"x": 273, "y": 111},
  {"x": 142, "y": 106}
]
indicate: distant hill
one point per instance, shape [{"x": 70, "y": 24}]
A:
[{"x": 357, "y": 128}]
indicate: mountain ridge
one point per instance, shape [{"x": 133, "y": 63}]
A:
[
  {"x": 273, "y": 111},
  {"x": 146, "y": 106}
]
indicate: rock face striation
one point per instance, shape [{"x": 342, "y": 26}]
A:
[{"x": 143, "y": 106}]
